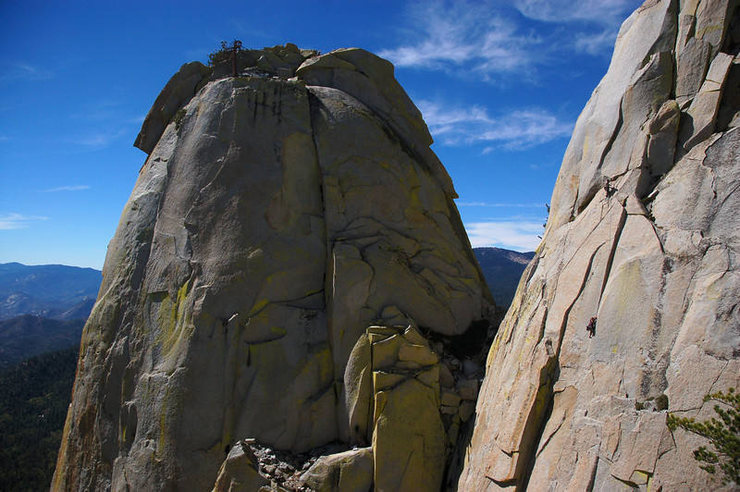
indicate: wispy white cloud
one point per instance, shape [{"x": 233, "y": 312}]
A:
[
  {"x": 94, "y": 140},
  {"x": 107, "y": 119},
  {"x": 596, "y": 43},
  {"x": 17, "y": 221},
  {"x": 486, "y": 40},
  {"x": 67, "y": 188},
  {"x": 525, "y": 128},
  {"x": 24, "y": 71},
  {"x": 543, "y": 165},
  {"x": 558, "y": 11},
  {"x": 516, "y": 235},
  {"x": 462, "y": 37},
  {"x": 99, "y": 111},
  {"x": 598, "y": 20},
  {"x": 98, "y": 140},
  {"x": 518, "y": 129},
  {"x": 101, "y": 122}
]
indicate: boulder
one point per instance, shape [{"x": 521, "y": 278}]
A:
[
  {"x": 350, "y": 470},
  {"x": 177, "y": 93},
  {"x": 409, "y": 438},
  {"x": 702, "y": 113},
  {"x": 239, "y": 472}
]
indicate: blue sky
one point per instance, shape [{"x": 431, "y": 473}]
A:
[{"x": 500, "y": 84}]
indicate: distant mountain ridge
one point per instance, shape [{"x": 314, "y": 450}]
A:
[
  {"x": 30, "y": 293},
  {"x": 43, "y": 308},
  {"x": 502, "y": 269},
  {"x": 28, "y": 335},
  {"x": 52, "y": 291}
]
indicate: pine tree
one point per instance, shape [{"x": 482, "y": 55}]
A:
[{"x": 723, "y": 435}]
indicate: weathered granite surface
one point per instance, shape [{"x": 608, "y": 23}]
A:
[
  {"x": 280, "y": 214},
  {"x": 643, "y": 234}
]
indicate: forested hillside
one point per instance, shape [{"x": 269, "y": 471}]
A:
[{"x": 34, "y": 396}]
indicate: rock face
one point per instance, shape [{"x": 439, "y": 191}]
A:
[
  {"x": 643, "y": 234},
  {"x": 288, "y": 224}
]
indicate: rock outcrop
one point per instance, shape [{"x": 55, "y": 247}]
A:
[
  {"x": 290, "y": 269},
  {"x": 643, "y": 235}
]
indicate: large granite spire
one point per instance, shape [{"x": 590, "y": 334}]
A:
[{"x": 287, "y": 255}]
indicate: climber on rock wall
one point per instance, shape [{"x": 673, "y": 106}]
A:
[{"x": 591, "y": 327}]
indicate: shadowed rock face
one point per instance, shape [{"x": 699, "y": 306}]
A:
[
  {"x": 287, "y": 224},
  {"x": 653, "y": 255}
]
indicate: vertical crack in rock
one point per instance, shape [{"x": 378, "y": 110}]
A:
[
  {"x": 584, "y": 201},
  {"x": 328, "y": 280},
  {"x": 612, "y": 251}
]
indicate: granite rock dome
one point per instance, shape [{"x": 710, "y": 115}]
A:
[{"x": 289, "y": 269}]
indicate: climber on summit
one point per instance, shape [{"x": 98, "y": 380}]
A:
[{"x": 591, "y": 327}]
